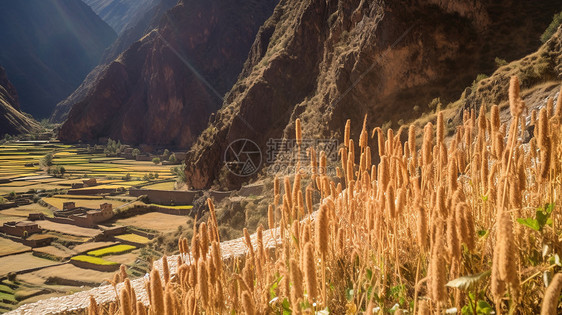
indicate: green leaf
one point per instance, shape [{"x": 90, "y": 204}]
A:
[
  {"x": 530, "y": 223},
  {"x": 482, "y": 233},
  {"x": 548, "y": 208},
  {"x": 467, "y": 310},
  {"x": 466, "y": 282},
  {"x": 273, "y": 287},
  {"x": 484, "y": 198},
  {"x": 369, "y": 274},
  {"x": 541, "y": 218},
  {"x": 286, "y": 307},
  {"x": 482, "y": 307}
]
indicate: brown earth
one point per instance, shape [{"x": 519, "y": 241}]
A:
[{"x": 327, "y": 61}]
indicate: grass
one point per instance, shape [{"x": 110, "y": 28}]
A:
[
  {"x": 6, "y": 289},
  {"x": 463, "y": 225},
  {"x": 133, "y": 238},
  {"x": 7, "y": 298},
  {"x": 171, "y": 207},
  {"x": 112, "y": 250},
  {"x": 161, "y": 186},
  {"x": 93, "y": 260}
]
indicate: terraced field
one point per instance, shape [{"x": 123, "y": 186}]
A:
[
  {"x": 20, "y": 173},
  {"x": 58, "y": 202},
  {"x": 21, "y": 159}
]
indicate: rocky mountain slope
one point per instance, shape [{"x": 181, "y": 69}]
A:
[
  {"x": 48, "y": 47},
  {"x": 121, "y": 14},
  {"x": 327, "y": 61},
  {"x": 163, "y": 88},
  {"x": 148, "y": 22},
  {"x": 12, "y": 121}
]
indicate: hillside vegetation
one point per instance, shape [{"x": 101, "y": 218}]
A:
[{"x": 472, "y": 223}]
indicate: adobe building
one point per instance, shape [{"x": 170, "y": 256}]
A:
[
  {"x": 20, "y": 229},
  {"x": 84, "y": 217}
]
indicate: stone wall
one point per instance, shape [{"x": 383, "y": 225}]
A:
[
  {"x": 166, "y": 197},
  {"x": 93, "y": 191},
  {"x": 218, "y": 196},
  {"x": 74, "y": 220},
  {"x": 251, "y": 190}
]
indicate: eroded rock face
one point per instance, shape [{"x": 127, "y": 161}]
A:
[
  {"x": 12, "y": 121},
  {"x": 327, "y": 61},
  {"x": 162, "y": 89},
  {"x": 130, "y": 35}
]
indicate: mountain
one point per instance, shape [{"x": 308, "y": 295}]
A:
[
  {"x": 48, "y": 47},
  {"x": 121, "y": 14},
  {"x": 163, "y": 88},
  {"x": 12, "y": 121},
  {"x": 148, "y": 22},
  {"x": 327, "y": 61}
]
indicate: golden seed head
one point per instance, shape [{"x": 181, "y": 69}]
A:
[
  {"x": 298, "y": 131},
  {"x": 552, "y": 295},
  {"x": 322, "y": 227},
  {"x": 310, "y": 272},
  {"x": 347, "y": 132}
]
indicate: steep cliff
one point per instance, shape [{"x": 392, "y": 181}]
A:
[
  {"x": 48, "y": 47},
  {"x": 12, "y": 121},
  {"x": 148, "y": 22},
  {"x": 327, "y": 61},
  {"x": 121, "y": 14},
  {"x": 163, "y": 88}
]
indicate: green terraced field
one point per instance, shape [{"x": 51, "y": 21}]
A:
[
  {"x": 93, "y": 260},
  {"x": 112, "y": 250}
]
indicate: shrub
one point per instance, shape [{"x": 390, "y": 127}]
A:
[
  {"x": 552, "y": 28},
  {"x": 172, "y": 158},
  {"x": 135, "y": 152},
  {"x": 500, "y": 62},
  {"x": 179, "y": 172},
  {"x": 112, "y": 148},
  {"x": 435, "y": 104},
  {"x": 46, "y": 161},
  {"x": 156, "y": 160}
]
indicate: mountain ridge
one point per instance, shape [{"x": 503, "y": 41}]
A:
[
  {"x": 12, "y": 120},
  {"x": 151, "y": 93},
  {"x": 149, "y": 21},
  {"x": 328, "y": 61},
  {"x": 48, "y": 48}
]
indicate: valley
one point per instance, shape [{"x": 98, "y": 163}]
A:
[
  {"x": 42, "y": 262},
  {"x": 280, "y": 157}
]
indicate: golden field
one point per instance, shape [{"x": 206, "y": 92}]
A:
[{"x": 468, "y": 225}]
